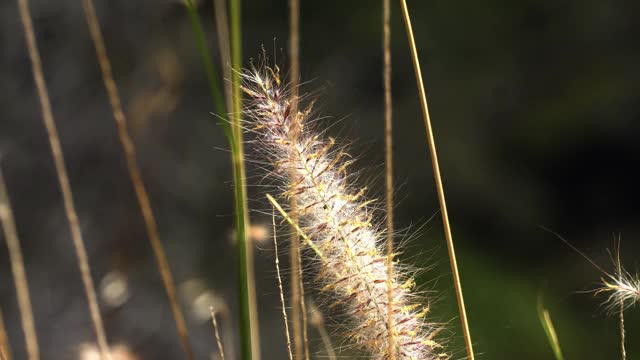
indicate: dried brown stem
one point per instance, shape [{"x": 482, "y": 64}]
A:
[
  {"x": 217, "y": 333},
  {"x": 5, "y": 349},
  {"x": 284, "y": 311},
  {"x": 136, "y": 177},
  {"x": 298, "y": 313},
  {"x": 438, "y": 181},
  {"x": 19, "y": 275},
  {"x": 305, "y": 335},
  {"x": 388, "y": 166},
  {"x": 63, "y": 178}
]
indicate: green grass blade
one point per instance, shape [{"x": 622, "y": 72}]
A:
[
  {"x": 210, "y": 71},
  {"x": 547, "y": 325},
  {"x": 249, "y": 340},
  {"x": 233, "y": 131}
]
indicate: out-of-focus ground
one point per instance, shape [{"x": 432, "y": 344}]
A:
[{"x": 536, "y": 112}]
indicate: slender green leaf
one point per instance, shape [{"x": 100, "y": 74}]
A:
[
  {"x": 547, "y": 325},
  {"x": 210, "y": 71},
  {"x": 233, "y": 131}
]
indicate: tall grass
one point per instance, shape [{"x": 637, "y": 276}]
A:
[
  {"x": 298, "y": 311},
  {"x": 282, "y": 302},
  {"x": 388, "y": 140},
  {"x": 330, "y": 216},
  {"x": 63, "y": 180},
  {"x": 19, "y": 278},
  {"x": 230, "y": 121},
  {"x": 142, "y": 196},
  {"x": 5, "y": 348},
  {"x": 438, "y": 180}
]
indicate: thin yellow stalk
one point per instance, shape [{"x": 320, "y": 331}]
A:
[
  {"x": 438, "y": 181},
  {"x": 19, "y": 276},
  {"x": 388, "y": 167},
  {"x": 298, "y": 313},
  {"x": 217, "y": 333},
  {"x": 222, "y": 25},
  {"x": 136, "y": 177},
  {"x": 63, "y": 178},
  {"x": 284, "y": 311}
]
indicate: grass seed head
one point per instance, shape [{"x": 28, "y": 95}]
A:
[
  {"x": 338, "y": 222},
  {"x": 622, "y": 288}
]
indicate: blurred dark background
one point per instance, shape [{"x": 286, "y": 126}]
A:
[{"x": 536, "y": 114}]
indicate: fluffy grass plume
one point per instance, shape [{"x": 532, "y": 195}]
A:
[
  {"x": 622, "y": 288},
  {"x": 336, "y": 221}
]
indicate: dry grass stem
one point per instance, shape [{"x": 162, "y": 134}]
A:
[
  {"x": 284, "y": 311},
  {"x": 438, "y": 181},
  {"x": 388, "y": 163},
  {"x": 19, "y": 275},
  {"x": 298, "y": 313},
  {"x": 217, "y": 333},
  {"x": 305, "y": 335},
  {"x": 294, "y": 51},
  {"x": 623, "y": 350},
  {"x": 5, "y": 349},
  {"x": 136, "y": 177},
  {"x": 63, "y": 178}
]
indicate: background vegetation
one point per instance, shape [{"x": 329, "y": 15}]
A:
[{"x": 535, "y": 112}]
